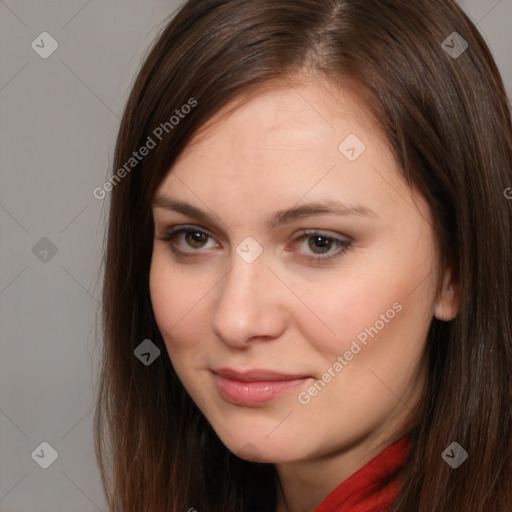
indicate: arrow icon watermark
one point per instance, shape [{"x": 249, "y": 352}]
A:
[{"x": 147, "y": 352}]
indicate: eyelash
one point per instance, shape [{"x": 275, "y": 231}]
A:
[{"x": 342, "y": 245}]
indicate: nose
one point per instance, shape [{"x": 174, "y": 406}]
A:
[{"x": 250, "y": 305}]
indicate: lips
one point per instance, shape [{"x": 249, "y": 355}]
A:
[
  {"x": 255, "y": 387},
  {"x": 257, "y": 375}
]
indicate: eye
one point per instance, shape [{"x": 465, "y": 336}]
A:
[
  {"x": 193, "y": 238},
  {"x": 320, "y": 245}
]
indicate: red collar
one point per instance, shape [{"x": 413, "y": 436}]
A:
[{"x": 352, "y": 494}]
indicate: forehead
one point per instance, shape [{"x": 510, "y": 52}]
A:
[
  {"x": 291, "y": 128},
  {"x": 283, "y": 141},
  {"x": 300, "y": 114}
]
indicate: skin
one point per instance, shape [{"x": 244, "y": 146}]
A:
[{"x": 285, "y": 313}]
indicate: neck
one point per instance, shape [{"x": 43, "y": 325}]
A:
[{"x": 303, "y": 485}]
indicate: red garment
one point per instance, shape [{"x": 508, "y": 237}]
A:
[{"x": 352, "y": 494}]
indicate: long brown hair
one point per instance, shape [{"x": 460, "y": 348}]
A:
[{"x": 447, "y": 119}]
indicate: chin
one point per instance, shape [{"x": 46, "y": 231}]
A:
[{"x": 262, "y": 449}]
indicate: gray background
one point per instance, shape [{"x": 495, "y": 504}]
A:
[{"x": 58, "y": 121}]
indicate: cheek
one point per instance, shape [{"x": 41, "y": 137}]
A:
[
  {"x": 378, "y": 349},
  {"x": 377, "y": 315},
  {"x": 349, "y": 310},
  {"x": 177, "y": 299},
  {"x": 163, "y": 295}
]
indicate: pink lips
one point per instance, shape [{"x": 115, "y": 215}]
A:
[{"x": 254, "y": 387}]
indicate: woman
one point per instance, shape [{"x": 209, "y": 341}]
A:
[{"x": 308, "y": 282}]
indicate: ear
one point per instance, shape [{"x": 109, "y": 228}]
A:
[{"x": 447, "y": 304}]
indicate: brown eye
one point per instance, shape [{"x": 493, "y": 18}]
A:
[
  {"x": 187, "y": 241},
  {"x": 318, "y": 247},
  {"x": 196, "y": 239},
  {"x": 319, "y": 244}
]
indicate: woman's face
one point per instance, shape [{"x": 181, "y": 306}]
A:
[{"x": 307, "y": 261}]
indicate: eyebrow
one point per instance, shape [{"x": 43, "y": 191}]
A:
[{"x": 322, "y": 207}]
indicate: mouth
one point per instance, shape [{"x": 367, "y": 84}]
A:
[{"x": 255, "y": 387}]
